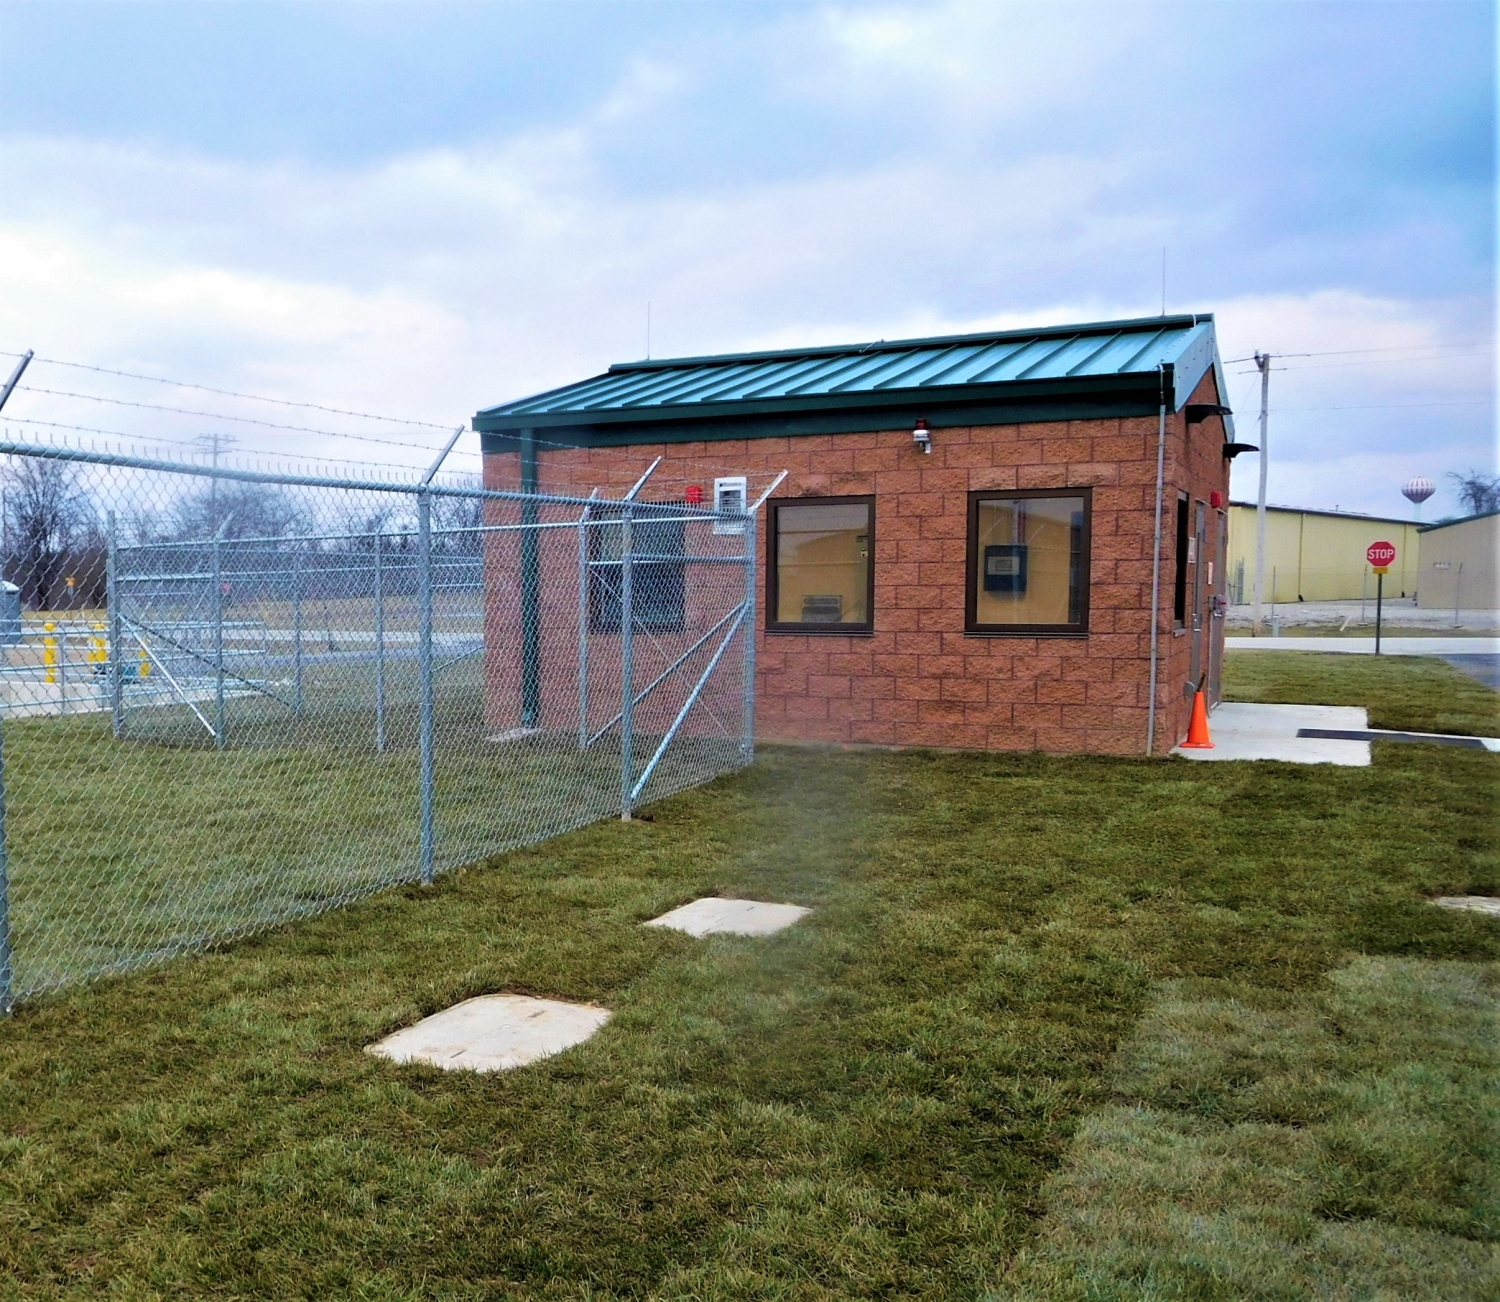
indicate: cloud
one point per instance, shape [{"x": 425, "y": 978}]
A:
[{"x": 796, "y": 176}]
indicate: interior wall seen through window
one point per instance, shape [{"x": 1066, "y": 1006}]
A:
[
  {"x": 1029, "y": 562},
  {"x": 823, "y": 563}
]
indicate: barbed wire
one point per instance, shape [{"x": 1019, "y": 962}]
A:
[
  {"x": 232, "y": 393},
  {"x": 213, "y": 415}
]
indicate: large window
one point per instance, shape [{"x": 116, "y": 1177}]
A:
[
  {"x": 1029, "y": 562},
  {"x": 821, "y": 579},
  {"x": 656, "y": 575}
]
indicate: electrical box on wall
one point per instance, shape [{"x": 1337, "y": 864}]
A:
[
  {"x": 730, "y": 495},
  {"x": 1005, "y": 567}
]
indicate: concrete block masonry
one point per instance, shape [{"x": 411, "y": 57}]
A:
[
  {"x": 714, "y": 916},
  {"x": 493, "y": 1033}
]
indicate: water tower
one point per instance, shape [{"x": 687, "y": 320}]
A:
[{"x": 1417, "y": 491}]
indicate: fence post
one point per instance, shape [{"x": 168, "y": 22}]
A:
[
  {"x": 627, "y": 660},
  {"x": 116, "y": 656},
  {"x": 379, "y": 642},
  {"x": 424, "y": 671},
  {"x": 747, "y": 739},
  {"x": 583, "y": 631},
  {"x": 531, "y": 590},
  {"x": 7, "y": 964},
  {"x": 218, "y": 580},
  {"x": 297, "y": 627}
]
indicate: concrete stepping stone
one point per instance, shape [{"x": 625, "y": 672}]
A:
[
  {"x": 1477, "y": 903},
  {"x": 715, "y": 916},
  {"x": 493, "y": 1033}
]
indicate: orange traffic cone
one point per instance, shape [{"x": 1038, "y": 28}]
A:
[{"x": 1197, "y": 738}]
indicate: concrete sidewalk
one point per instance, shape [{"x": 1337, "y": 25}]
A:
[{"x": 1243, "y": 730}]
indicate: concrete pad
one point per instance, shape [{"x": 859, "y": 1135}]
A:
[
  {"x": 493, "y": 1033},
  {"x": 1242, "y": 730},
  {"x": 1476, "y": 903},
  {"x": 715, "y": 916}
]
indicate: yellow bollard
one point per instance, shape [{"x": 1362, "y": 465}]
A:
[
  {"x": 145, "y": 664},
  {"x": 98, "y": 647},
  {"x": 49, "y": 651}
]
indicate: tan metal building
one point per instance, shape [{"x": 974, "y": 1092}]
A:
[
  {"x": 1459, "y": 564},
  {"x": 1318, "y": 555}
]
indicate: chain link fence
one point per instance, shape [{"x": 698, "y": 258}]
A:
[{"x": 230, "y": 698}]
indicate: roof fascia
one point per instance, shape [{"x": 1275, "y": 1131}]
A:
[
  {"x": 698, "y": 428},
  {"x": 928, "y": 402}
]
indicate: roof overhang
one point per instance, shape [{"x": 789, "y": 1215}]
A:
[{"x": 565, "y": 416}]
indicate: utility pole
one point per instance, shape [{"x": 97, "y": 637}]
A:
[
  {"x": 215, "y": 443},
  {"x": 1263, "y": 363}
]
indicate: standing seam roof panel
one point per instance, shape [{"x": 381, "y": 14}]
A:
[
  {"x": 674, "y": 389},
  {"x": 1028, "y": 372},
  {"x": 1091, "y": 351},
  {"x": 911, "y": 376}
]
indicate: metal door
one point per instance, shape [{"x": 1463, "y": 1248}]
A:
[
  {"x": 1218, "y": 603},
  {"x": 1200, "y": 593}
]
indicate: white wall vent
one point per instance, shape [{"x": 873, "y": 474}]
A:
[{"x": 730, "y": 495}]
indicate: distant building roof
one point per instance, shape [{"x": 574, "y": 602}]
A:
[
  {"x": 1105, "y": 368},
  {"x": 1463, "y": 519},
  {"x": 1345, "y": 515}
]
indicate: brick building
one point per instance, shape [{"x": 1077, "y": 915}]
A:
[{"x": 960, "y": 554}]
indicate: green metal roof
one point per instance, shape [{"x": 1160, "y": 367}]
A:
[{"x": 1101, "y": 368}]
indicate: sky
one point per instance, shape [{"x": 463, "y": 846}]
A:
[{"x": 419, "y": 210}]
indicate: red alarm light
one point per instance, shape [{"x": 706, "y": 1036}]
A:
[{"x": 695, "y": 494}]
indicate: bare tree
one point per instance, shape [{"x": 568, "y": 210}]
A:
[
  {"x": 455, "y": 520},
  {"x": 1477, "y": 490},
  {"x": 50, "y": 521},
  {"x": 242, "y": 510}
]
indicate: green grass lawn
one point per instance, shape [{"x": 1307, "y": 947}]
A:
[
  {"x": 1077, "y": 1027},
  {"x": 1417, "y": 692}
]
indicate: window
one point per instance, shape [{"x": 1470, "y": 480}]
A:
[
  {"x": 820, "y": 578},
  {"x": 1028, "y": 562},
  {"x": 657, "y": 584},
  {"x": 1179, "y": 590}
]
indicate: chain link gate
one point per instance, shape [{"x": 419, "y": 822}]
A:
[{"x": 229, "y": 698}]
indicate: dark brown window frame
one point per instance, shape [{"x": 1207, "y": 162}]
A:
[
  {"x": 773, "y": 529},
  {"x": 971, "y": 569}
]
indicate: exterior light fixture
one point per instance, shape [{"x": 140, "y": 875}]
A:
[
  {"x": 922, "y": 436},
  {"x": 695, "y": 494}
]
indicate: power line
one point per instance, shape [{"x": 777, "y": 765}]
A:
[
  {"x": 1350, "y": 352},
  {"x": 233, "y": 393},
  {"x": 161, "y": 441},
  {"x": 1391, "y": 406}
]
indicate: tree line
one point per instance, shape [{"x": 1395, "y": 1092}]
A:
[{"x": 55, "y": 548}]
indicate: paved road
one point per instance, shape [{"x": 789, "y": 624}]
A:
[{"x": 1486, "y": 668}]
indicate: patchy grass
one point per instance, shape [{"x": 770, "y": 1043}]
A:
[
  {"x": 870, "y": 1104},
  {"x": 1418, "y": 692},
  {"x": 1340, "y": 1143}
]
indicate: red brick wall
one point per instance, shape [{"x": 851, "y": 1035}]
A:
[{"x": 919, "y": 680}]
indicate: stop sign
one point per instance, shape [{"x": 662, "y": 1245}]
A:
[{"x": 1380, "y": 554}]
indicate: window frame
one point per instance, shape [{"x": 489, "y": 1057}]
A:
[
  {"x": 773, "y": 534},
  {"x": 1181, "y": 550},
  {"x": 972, "y": 627}
]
